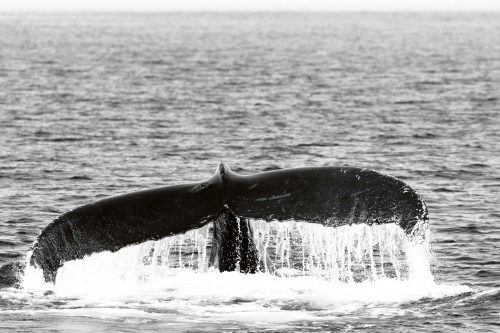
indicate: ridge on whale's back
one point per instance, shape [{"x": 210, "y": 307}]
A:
[{"x": 331, "y": 196}]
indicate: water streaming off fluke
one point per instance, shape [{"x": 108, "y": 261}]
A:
[{"x": 347, "y": 254}]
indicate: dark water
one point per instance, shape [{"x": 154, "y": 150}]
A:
[{"x": 98, "y": 105}]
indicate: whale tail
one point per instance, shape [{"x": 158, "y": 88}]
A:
[{"x": 331, "y": 196}]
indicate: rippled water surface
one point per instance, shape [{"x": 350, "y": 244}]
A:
[{"x": 98, "y": 105}]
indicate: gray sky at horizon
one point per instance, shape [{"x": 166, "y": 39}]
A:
[{"x": 247, "y": 5}]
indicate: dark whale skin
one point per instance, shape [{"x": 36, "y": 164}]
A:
[{"x": 331, "y": 196}]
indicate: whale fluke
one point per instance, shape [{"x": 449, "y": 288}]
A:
[{"x": 331, "y": 196}]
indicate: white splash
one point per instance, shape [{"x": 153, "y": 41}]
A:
[
  {"x": 303, "y": 266},
  {"x": 131, "y": 266},
  {"x": 345, "y": 254}
]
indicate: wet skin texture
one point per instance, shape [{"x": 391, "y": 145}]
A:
[{"x": 331, "y": 196}]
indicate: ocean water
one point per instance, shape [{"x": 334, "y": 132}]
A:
[{"x": 95, "y": 105}]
